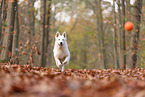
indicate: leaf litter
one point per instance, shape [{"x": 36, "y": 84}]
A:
[{"x": 27, "y": 81}]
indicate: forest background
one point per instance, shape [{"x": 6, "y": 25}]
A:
[{"x": 95, "y": 29}]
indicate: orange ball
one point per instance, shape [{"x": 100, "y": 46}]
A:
[{"x": 129, "y": 26}]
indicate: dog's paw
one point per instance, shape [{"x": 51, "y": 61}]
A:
[
  {"x": 63, "y": 68},
  {"x": 59, "y": 65},
  {"x": 64, "y": 62}
]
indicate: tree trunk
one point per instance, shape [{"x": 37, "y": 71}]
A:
[
  {"x": 136, "y": 33},
  {"x": 103, "y": 52},
  {"x": 1, "y": 19},
  {"x": 115, "y": 39},
  {"x": 120, "y": 34},
  {"x": 16, "y": 35},
  {"x": 32, "y": 30},
  {"x": 96, "y": 10},
  {"x": 43, "y": 34},
  {"x": 32, "y": 27},
  {"x": 4, "y": 12},
  {"x": 8, "y": 38},
  {"x": 98, "y": 35},
  {"x": 5, "y": 6},
  {"x": 47, "y": 31},
  {"x": 123, "y": 35},
  {"x": 84, "y": 50},
  {"x": 128, "y": 8}
]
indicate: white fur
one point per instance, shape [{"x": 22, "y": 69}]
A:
[{"x": 61, "y": 52}]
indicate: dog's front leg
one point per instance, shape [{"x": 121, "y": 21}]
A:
[
  {"x": 63, "y": 68},
  {"x": 58, "y": 63},
  {"x": 66, "y": 60}
]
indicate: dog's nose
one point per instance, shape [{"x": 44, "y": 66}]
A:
[{"x": 60, "y": 43}]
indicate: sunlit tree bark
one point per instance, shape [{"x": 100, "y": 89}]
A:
[
  {"x": 123, "y": 35},
  {"x": 120, "y": 33},
  {"x": 16, "y": 35},
  {"x": 43, "y": 34},
  {"x": 48, "y": 15},
  {"x": 1, "y": 3},
  {"x": 103, "y": 51},
  {"x": 8, "y": 37},
  {"x": 136, "y": 33},
  {"x": 115, "y": 39}
]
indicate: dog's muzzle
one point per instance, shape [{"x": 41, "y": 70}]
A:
[{"x": 61, "y": 44}]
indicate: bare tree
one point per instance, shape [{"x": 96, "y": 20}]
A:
[
  {"x": 1, "y": 19},
  {"x": 120, "y": 32},
  {"x": 47, "y": 29},
  {"x": 98, "y": 32},
  {"x": 103, "y": 51},
  {"x": 43, "y": 33},
  {"x": 136, "y": 33},
  {"x": 97, "y": 7},
  {"x": 32, "y": 27},
  {"x": 8, "y": 38},
  {"x": 128, "y": 7},
  {"x": 123, "y": 34},
  {"x": 16, "y": 35},
  {"x": 115, "y": 39}
]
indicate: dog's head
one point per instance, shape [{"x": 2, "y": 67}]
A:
[{"x": 60, "y": 39}]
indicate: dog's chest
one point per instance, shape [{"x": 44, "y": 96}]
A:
[{"x": 61, "y": 53}]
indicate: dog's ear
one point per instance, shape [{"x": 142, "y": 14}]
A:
[
  {"x": 64, "y": 34},
  {"x": 57, "y": 34}
]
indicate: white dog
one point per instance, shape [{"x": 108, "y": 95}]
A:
[{"x": 61, "y": 52}]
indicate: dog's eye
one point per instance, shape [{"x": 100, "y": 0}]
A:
[
  {"x": 58, "y": 39},
  {"x": 62, "y": 39}
]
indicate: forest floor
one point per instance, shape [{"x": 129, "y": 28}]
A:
[{"x": 27, "y": 81}]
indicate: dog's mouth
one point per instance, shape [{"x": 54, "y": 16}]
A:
[{"x": 60, "y": 44}]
